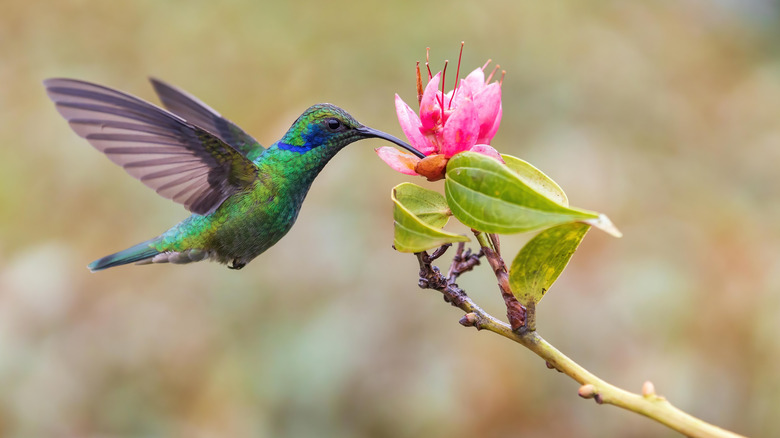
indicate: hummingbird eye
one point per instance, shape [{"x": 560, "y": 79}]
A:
[{"x": 333, "y": 124}]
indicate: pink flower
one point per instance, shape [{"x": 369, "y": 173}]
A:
[{"x": 464, "y": 119}]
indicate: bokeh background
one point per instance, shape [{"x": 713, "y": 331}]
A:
[{"x": 664, "y": 115}]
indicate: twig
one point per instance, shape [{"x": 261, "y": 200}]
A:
[
  {"x": 462, "y": 262},
  {"x": 648, "y": 404},
  {"x": 515, "y": 312}
]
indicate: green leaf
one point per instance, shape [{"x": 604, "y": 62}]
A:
[
  {"x": 489, "y": 196},
  {"x": 536, "y": 179},
  {"x": 542, "y": 260},
  {"x": 419, "y": 215}
]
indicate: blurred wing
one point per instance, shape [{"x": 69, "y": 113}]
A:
[
  {"x": 179, "y": 161},
  {"x": 198, "y": 113}
]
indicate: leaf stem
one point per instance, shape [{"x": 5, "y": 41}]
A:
[{"x": 483, "y": 239}]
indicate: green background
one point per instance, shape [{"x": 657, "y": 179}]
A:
[{"x": 664, "y": 115}]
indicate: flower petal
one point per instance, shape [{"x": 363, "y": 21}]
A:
[
  {"x": 488, "y": 136},
  {"x": 430, "y": 108},
  {"x": 488, "y": 103},
  {"x": 476, "y": 80},
  {"x": 399, "y": 161},
  {"x": 411, "y": 125},
  {"x": 461, "y": 130},
  {"x": 463, "y": 92},
  {"x": 487, "y": 150}
]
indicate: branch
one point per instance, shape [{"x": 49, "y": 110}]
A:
[
  {"x": 648, "y": 403},
  {"x": 515, "y": 312}
]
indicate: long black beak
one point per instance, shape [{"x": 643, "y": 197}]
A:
[{"x": 371, "y": 132}]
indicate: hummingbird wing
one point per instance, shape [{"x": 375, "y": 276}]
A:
[
  {"x": 193, "y": 110},
  {"x": 177, "y": 159}
]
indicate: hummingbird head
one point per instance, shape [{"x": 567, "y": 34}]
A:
[{"x": 331, "y": 128}]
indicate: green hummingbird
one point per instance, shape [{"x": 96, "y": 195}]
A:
[{"x": 243, "y": 197}]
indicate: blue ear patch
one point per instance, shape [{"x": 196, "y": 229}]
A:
[{"x": 292, "y": 148}]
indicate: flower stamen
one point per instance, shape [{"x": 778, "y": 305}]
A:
[
  {"x": 441, "y": 96},
  {"x": 490, "y": 78},
  {"x": 419, "y": 85},
  {"x": 457, "y": 73},
  {"x": 428, "y": 62}
]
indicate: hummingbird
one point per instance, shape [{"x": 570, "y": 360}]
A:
[{"x": 243, "y": 197}]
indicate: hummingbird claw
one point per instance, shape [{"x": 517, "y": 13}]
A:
[{"x": 236, "y": 265}]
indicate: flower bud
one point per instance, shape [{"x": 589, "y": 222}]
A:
[{"x": 432, "y": 167}]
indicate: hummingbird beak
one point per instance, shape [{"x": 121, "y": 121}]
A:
[{"x": 371, "y": 132}]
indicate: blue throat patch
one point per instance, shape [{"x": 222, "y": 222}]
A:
[{"x": 292, "y": 148}]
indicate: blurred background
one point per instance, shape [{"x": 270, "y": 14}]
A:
[{"x": 664, "y": 115}]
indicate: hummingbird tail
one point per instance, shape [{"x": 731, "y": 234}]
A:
[{"x": 137, "y": 253}]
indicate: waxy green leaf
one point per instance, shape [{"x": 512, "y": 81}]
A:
[
  {"x": 542, "y": 260},
  {"x": 536, "y": 179},
  {"x": 419, "y": 215},
  {"x": 493, "y": 197}
]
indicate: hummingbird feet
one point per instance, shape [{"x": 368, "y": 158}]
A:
[{"x": 236, "y": 265}]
